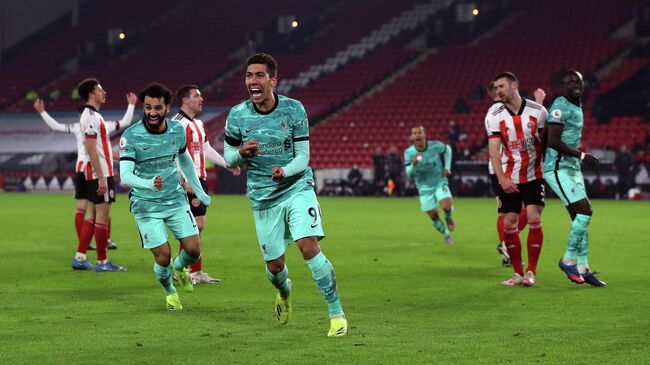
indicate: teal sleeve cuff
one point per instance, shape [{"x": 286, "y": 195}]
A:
[
  {"x": 232, "y": 156},
  {"x": 447, "y": 157},
  {"x": 410, "y": 170},
  {"x": 128, "y": 178},
  {"x": 187, "y": 166},
  {"x": 300, "y": 161}
]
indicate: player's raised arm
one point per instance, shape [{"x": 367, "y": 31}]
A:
[
  {"x": 127, "y": 118},
  {"x": 39, "y": 105},
  {"x": 539, "y": 95}
]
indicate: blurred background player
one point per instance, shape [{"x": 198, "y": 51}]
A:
[
  {"x": 190, "y": 102},
  {"x": 539, "y": 95},
  {"x": 514, "y": 129},
  {"x": 85, "y": 210},
  {"x": 149, "y": 150},
  {"x": 429, "y": 164},
  {"x": 101, "y": 189},
  {"x": 564, "y": 176},
  {"x": 271, "y": 133}
]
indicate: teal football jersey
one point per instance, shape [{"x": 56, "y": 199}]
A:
[
  {"x": 155, "y": 154},
  {"x": 570, "y": 116},
  {"x": 276, "y": 132},
  {"x": 428, "y": 171}
]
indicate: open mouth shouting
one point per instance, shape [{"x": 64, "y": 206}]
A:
[
  {"x": 154, "y": 120},
  {"x": 256, "y": 93}
]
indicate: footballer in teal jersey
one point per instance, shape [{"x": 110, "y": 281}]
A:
[
  {"x": 270, "y": 133},
  {"x": 568, "y": 115},
  {"x": 149, "y": 152},
  {"x": 562, "y": 173},
  {"x": 276, "y": 132},
  {"x": 429, "y": 164}
]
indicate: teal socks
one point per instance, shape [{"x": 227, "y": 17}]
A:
[
  {"x": 325, "y": 279},
  {"x": 183, "y": 259},
  {"x": 280, "y": 281},
  {"x": 577, "y": 246},
  {"x": 164, "y": 276},
  {"x": 448, "y": 213},
  {"x": 437, "y": 224}
]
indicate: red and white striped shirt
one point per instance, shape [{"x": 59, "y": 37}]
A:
[
  {"x": 195, "y": 137},
  {"x": 521, "y": 159},
  {"x": 93, "y": 126}
]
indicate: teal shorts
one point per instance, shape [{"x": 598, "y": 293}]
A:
[
  {"x": 295, "y": 218},
  {"x": 429, "y": 199},
  {"x": 153, "y": 226},
  {"x": 569, "y": 185}
]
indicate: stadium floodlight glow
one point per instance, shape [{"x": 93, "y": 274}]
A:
[
  {"x": 122, "y": 35},
  {"x": 294, "y": 24},
  {"x": 475, "y": 12}
]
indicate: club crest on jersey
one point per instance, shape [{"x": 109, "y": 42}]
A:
[
  {"x": 283, "y": 125},
  {"x": 557, "y": 113},
  {"x": 530, "y": 125},
  {"x": 123, "y": 142}
]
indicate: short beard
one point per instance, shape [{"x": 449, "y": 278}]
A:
[{"x": 146, "y": 120}]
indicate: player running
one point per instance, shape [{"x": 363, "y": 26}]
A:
[
  {"x": 149, "y": 151},
  {"x": 270, "y": 132},
  {"x": 429, "y": 163}
]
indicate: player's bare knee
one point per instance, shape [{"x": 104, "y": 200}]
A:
[
  {"x": 163, "y": 261},
  {"x": 162, "y": 258},
  {"x": 433, "y": 214},
  {"x": 102, "y": 213},
  {"x": 275, "y": 266},
  {"x": 533, "y": 216},
  {"x": 582, "y": 207},
  {"x": 192, "y": 248},
  {"x": 511, "y": 220},
  {"x": 585, "y": 211},
  {"x": 309, "y": 247}
]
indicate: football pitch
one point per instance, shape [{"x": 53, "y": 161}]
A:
[{"x": 408, "y": 297}]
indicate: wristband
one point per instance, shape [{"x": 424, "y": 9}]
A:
[{"x": 582, "y": 156}]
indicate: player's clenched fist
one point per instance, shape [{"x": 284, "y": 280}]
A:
[
  {"x": 277, "y": 174},
  {"x": 249, "y": 149},
  {"x": 591, "y": 160},
  {"x": 158, "y": 183}
]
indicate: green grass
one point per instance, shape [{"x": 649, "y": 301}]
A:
[{"x": 408, "y": 297}]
